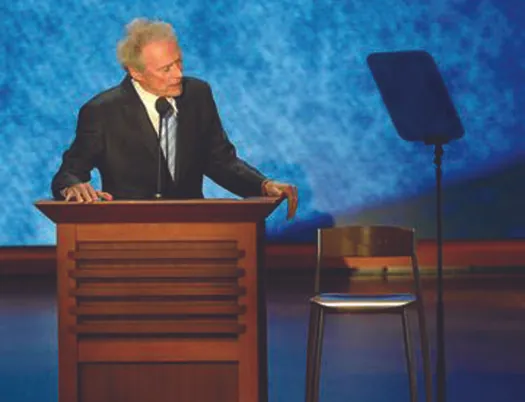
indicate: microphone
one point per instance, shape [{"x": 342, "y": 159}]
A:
[{"x": 164, "y": 109}]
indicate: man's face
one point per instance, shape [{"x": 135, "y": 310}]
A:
[{"x": 162, "y": 74}]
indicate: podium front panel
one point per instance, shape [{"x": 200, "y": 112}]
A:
[{"x": 161, "y": 311}]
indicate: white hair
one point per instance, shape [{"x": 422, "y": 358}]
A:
[{"x": 139, "y": 33}]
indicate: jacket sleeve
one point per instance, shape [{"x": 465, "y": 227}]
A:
[
  {"x": 83, "y": 154},
  {"x": 223, "y": 165}
]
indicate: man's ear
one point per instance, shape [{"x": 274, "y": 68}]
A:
[{"x": 135, "y": 74}]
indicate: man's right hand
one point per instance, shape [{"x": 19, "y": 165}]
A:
[{"x": 84, "y": 192}]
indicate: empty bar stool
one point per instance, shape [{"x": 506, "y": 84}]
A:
[{"x": 366, "y": 241}]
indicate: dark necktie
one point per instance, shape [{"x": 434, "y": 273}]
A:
[{"x": 168, "y": 141}]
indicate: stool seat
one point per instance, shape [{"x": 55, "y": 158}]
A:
[{"x": 345, "y": 303}]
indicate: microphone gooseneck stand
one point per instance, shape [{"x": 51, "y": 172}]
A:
[
  {"x": 164, "y": 109},
  {"x": 158, "y": 193}
]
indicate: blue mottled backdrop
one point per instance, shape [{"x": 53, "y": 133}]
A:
[{"x": 296, "y": 97}]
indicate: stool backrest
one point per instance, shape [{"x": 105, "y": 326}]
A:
[{"x": 366, "y": 241}]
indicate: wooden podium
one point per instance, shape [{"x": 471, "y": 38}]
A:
[{"x": 161, "y": 300}]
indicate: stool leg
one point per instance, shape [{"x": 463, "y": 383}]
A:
[
  {"x": 313, "y": 353},
  {"x": 412, "y": 378},
  {"x": 423, "y": 333},
  {"x": 425, "y": 351}
]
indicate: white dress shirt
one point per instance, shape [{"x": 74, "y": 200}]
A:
[{"x": 148, "y": 99}]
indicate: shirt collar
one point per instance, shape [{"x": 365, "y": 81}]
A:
[{"x": 148, "y": 98}]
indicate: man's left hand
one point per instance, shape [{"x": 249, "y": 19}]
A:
[{"x": 276, "y": 189}]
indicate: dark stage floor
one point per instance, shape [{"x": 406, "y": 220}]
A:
[{"x": 363, "y": 357}]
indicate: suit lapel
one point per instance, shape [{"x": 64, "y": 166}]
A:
[
  {"x": 136, "y": 115},
  {"x": 183, "y": 136}
]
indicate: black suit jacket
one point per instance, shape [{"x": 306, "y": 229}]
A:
[{"x": 115, "y": 135}]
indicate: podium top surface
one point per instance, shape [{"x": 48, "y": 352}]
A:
[{"x": 160, "y": 211}]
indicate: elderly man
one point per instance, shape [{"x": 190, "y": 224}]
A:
[{"x": 119, "y": 132}]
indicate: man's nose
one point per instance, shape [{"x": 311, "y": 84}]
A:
[{"x": 177, "y": 71}]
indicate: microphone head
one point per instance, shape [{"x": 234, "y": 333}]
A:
[{"x": 163, "y": 107}]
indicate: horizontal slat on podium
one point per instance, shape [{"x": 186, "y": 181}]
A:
[
  {"x": 157, "y": 289},
  {"x": 152, "y": 254},
  {"x": 162, "y": 264},
  {"x": 162, "y": 349},
  {"x": 159, "y": 245},
  {"x": 155, "y": 273},
  {"x": 160, "y": 328},
  {"x": 158, "y": 308}
]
